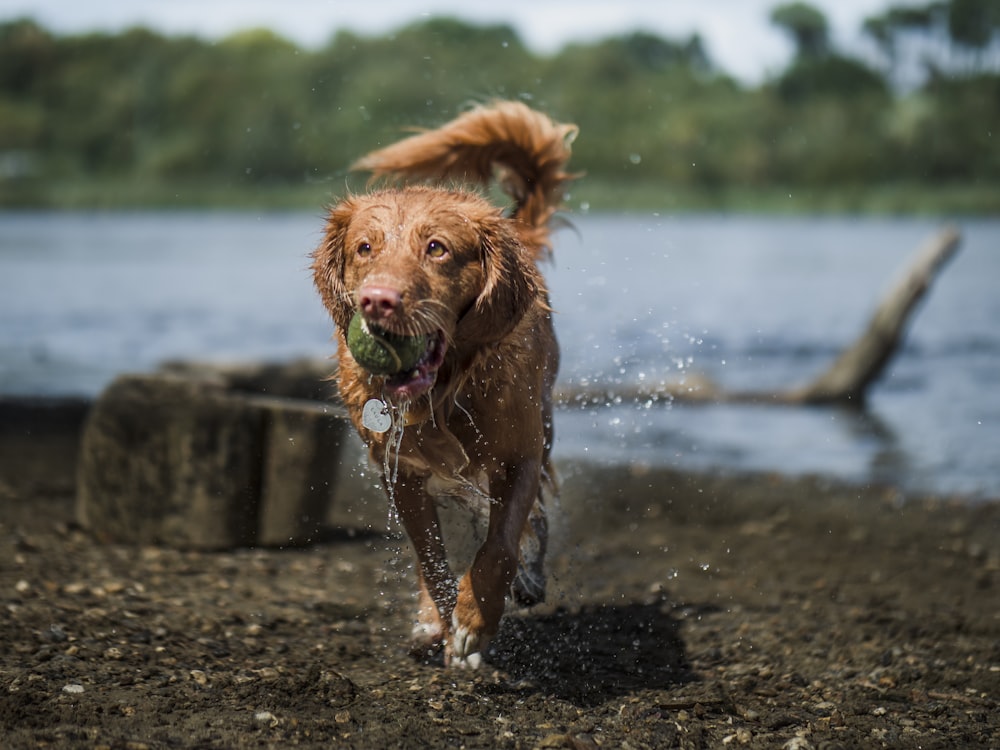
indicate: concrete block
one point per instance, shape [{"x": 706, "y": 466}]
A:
[{"x": 188, "y": 462}]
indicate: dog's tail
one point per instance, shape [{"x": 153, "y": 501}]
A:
[{"x": 523, "y": 150}]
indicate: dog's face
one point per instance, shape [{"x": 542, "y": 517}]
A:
[{"x": 425, "y": 261}]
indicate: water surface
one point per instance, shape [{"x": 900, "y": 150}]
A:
[{"x": 751, "y": 302}]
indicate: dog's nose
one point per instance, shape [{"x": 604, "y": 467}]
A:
[{"x": 379, "y": 302}]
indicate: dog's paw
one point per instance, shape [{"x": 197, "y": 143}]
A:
[
  {"x": 473, "y": 624},
  {"x": 472, "y": 661},
  {"x": 528, "y": 587},
  {"x": 429, "y": 634},
  {"x": 426, "y": 639},
  {"x": 465, "y": 647}
]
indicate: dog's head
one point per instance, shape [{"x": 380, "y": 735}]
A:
[{"x": 426, "y": 261}]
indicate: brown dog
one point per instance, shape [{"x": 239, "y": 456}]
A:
[{"x": 473, "y": 418}]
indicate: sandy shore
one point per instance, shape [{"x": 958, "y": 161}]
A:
[{"x": 684, "y": 611}]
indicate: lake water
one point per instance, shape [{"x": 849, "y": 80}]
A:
[{"x": 750, "y": 302}]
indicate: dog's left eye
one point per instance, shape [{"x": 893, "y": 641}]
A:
[{"x": 436, "y": 249}]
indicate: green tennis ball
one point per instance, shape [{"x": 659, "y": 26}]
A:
[{"x": 381, "y": 352}]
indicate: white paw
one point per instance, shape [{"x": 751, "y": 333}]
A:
[
  {"x": 472, "y": 661},
  {"x": 466, "y": 646},
  {"x": 426, "y": 634}
]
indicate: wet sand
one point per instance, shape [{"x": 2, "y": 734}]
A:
[{"x": 684, "y": 611}]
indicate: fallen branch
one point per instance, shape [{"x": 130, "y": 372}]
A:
[
  {"x": 848, "y": 379},
  {"x": 845, "y": 382}
]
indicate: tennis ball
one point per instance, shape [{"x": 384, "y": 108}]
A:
[{"x": 381, "y": 352}]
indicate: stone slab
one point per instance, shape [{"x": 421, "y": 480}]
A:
[{"x": 188, "y": 462}]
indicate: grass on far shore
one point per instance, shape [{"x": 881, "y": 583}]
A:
[{"x": 586, "y": 195}]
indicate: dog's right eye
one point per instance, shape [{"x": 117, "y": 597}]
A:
[{"x": 364, "y": 249}]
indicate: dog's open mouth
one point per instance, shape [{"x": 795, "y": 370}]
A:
[{"x": 415, "y": 382}]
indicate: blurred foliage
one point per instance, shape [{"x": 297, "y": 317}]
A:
[
  {"x": 807, "y": 26},
  {"x": 142, "y": 114}
]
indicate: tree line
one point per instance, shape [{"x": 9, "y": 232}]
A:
[{"x": 255, "y": 111}]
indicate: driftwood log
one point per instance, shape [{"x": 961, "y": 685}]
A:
[{"x": 846, "y": 382}]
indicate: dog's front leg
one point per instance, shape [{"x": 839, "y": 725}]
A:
[
  {"x": 419, "y": 516},
  {"x": 483, "y": 589}
]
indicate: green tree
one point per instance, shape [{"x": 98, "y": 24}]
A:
[
  {"x": 974, "y": 23},
  {"x": 807, "y": 27},
  {"x": 944, "y": 37},
  {"x": 142, "y": 109},
  {"x": 830, "y": 76},
  {"x": 817, "y": 69}
]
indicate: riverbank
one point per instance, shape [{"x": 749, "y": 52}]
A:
[
  {"x": 592, "y": 194},
  {"x": 684, "y": 611}
]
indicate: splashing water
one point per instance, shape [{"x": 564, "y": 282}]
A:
[{"x": 390, "y": 458}]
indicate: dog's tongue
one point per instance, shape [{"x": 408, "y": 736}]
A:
[
  {"x": 410, "y": 385},
  {"x": 414, "y": 383}
]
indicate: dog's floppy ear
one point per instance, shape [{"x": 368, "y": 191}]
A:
[
  {"x": 328, "y": 265},
  {"x": 511, "y": 283}
]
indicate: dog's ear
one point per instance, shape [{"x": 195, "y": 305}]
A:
[
  {"x": 511, "y": 283},
  {"x": 328, "y": 265}
]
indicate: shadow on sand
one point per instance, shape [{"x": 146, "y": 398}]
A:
[{"x": 595, "y": 653}]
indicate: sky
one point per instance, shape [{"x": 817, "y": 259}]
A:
[{"x": 737, "y": 33}]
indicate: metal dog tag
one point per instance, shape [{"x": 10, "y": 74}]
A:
[{"x": 375, "y": 415}]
